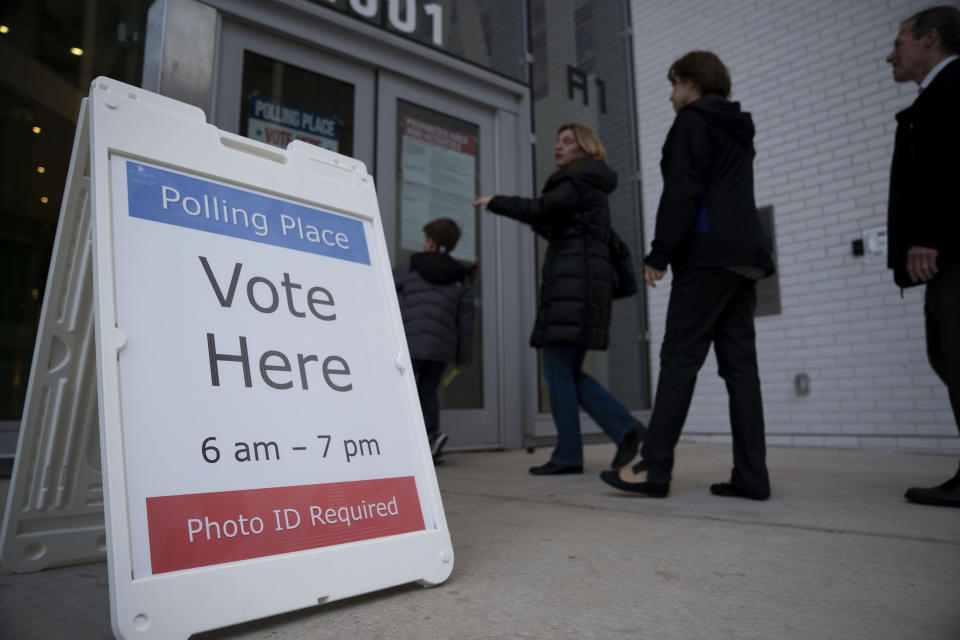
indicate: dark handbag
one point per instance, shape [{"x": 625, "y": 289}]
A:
[{"x": 624, "y": 278}]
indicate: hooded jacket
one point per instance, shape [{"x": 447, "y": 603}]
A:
[
  {"x": 924, "y": 205},
  {"x": 436, "y": 303},
  {"x": 576, "y": 290},
  {"x": 707, "y": 216}
]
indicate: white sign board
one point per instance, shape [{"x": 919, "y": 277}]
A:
[{"x": 260, "y": 430}]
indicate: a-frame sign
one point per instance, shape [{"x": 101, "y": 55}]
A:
[{"x": 222, "y": 315}]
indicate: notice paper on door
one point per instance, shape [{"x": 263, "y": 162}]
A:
[{"x": 438, "y": 166}]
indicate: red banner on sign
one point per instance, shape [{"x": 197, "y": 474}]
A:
[{"x": 201, "y": 529}]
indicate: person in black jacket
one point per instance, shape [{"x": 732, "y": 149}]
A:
[
  {"x": 436, "y": 302},
  {"x": 576, "y": 293},
  {"x": 923, "y": 216},
  {"x": 709, "y": 232}
]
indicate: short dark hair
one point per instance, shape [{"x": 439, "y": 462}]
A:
[
  {"x": 946, "y": 20},
  {"x": 444, "y": 232},
  {"x": 704, "y": 69}
]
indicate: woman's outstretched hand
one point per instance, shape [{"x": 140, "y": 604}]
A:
[{"x": 482, "y": 201}]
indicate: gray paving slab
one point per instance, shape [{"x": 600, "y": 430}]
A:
[{"x": 836, "y": 553}]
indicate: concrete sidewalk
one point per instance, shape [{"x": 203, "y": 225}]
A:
[{"x": 836, "y": 553}]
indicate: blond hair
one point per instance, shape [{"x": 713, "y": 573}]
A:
[{"x": 587, "y": 138}]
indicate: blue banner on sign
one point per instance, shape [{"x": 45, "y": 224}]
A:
[{"x": 177, "y": 199}]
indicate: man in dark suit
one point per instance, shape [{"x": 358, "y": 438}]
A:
[{"x": 924, "y": 207}]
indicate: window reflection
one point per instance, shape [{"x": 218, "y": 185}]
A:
[
  {"x": 438, "y": 160},
  {"x": 489, "y": 33},
  {"x": 41, "y": 85},
  {"x": 582, "y": 73},
  {"x": 282, "y": 102}
]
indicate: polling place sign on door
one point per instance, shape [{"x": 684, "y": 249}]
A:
[
  {"x": 260, "y": 417},
  {"x": 279, "y": 124}
]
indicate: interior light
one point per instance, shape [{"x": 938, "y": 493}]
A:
[
  {"x": 4, "y": 28},
  {"x": 44, "y": 199},
  {"x": 77, "y": 51},
  {"x": 36, "y": 129},
  {"x": 41, "y": 169}
]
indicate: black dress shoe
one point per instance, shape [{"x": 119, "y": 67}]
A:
[
  {"x": 651, "y": 489},
  {"x": 551, "y": 468},
  {"x": 731, "y": 490},
  {"x": 945, "y": 495},
  {"x": 627, "y": 449}
]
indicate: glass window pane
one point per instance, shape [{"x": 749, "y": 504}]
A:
[
  {"x": 438, "y": 160},
  {"x": 282, "y": 102},
  {"x": 582, "y": 73},
  {"x": 488, "y": 33},
  {"x": 51, "y": 53}
]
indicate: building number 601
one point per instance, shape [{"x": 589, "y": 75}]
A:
[{"x": 406, "y": 24}]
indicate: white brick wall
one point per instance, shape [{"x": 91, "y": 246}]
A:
[{"x": 813, "y": 75}]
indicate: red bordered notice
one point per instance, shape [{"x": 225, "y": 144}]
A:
[{"x": 195, "y": 530}]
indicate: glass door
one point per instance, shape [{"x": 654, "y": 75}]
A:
[
  {"x": 435, "y": 156},
  {"x": 291, "y": 92},
  {"x": 432, "y": 155}
]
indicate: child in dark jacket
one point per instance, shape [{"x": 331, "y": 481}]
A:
[{"x": 436, "y": 302}]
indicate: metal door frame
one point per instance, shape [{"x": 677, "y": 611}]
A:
[{"x": 392, "y": 88}]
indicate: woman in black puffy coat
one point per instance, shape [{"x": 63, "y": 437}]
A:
[{"x": 573, "y": 315}]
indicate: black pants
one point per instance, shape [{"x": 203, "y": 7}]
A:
[
  {"x": 942, "y": 312},
  {"x": 709, "y": 306},
  {"x": 428, "y": 374}
]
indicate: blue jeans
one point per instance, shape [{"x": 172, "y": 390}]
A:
[{"x": 570, "y": 388}]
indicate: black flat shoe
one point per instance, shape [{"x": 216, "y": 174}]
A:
[
  {"x": 944, "y": 495},
  {"x": 651, "y": 489},
  {"x": 730, "y": 490},
  {"x": 627, "y": 449},
  {"x": 551, "y": 468}
]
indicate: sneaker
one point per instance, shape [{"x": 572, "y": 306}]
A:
[{"x": 436, "y": 444}]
